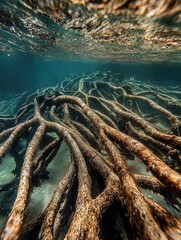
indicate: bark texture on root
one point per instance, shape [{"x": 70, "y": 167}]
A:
[{"x": 105, "y": 128}]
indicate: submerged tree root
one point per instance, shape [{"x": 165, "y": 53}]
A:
[{"x": 105, "y": 125}]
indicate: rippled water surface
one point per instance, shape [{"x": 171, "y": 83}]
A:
[{"x": 81, "y": 34}]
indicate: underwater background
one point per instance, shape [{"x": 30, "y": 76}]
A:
[
  {"x": 44, "y": 43},
  {"x": 23, "y": 72}
]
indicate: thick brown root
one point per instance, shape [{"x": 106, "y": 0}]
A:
[{"x": 103, "y": 135}]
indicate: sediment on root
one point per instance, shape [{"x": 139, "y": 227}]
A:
[{"x": 103, "y": 132}]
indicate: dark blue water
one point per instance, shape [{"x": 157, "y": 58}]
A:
[
  {"x": 23, "y": 72},
  {"x": 37, "y": 46}
]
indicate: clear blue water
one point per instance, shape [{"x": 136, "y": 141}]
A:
[
  {"x": 37, "y": 46},
  {"x": 22, "y": 72}
]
